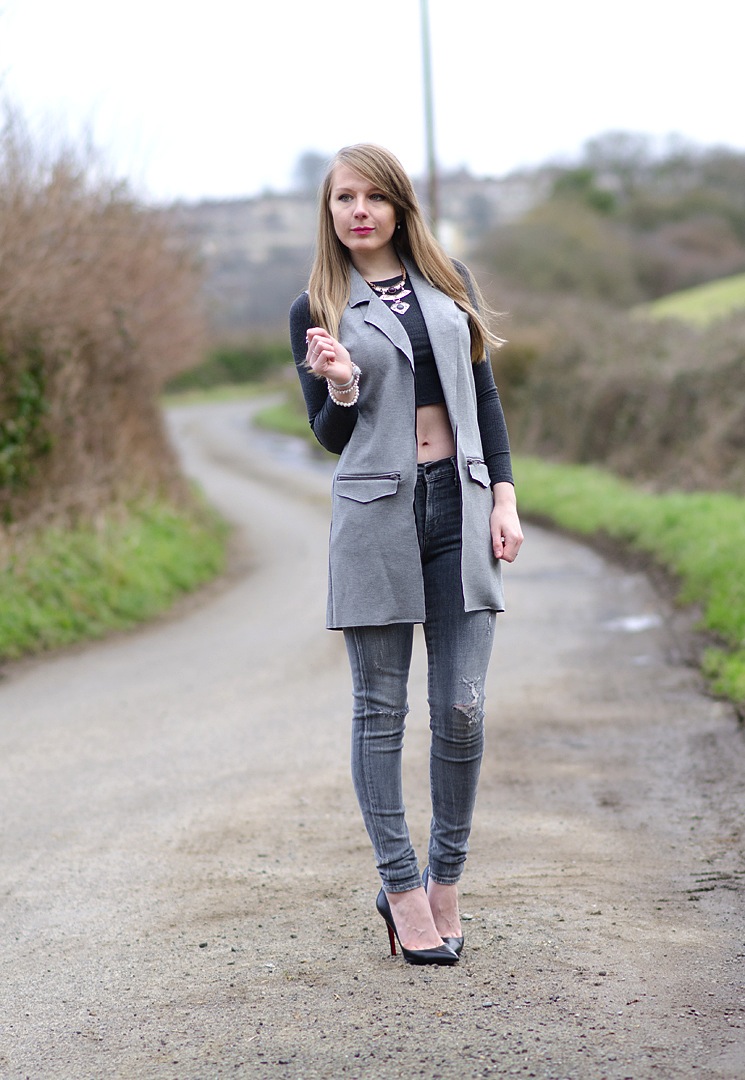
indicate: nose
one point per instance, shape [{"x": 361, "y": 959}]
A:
[{"x": 360, "y": 210}]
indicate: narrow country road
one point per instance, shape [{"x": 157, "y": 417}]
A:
[{"x": 187, "y": 890}]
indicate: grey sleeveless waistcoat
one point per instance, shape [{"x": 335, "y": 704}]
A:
[{"x": 375, "y": 574}]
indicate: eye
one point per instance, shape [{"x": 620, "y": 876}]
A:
[
  {"x": 344, "y": 198},
  {"x": 378, "y": 197}
]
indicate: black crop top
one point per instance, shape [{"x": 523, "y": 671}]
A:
[{"x": 427, "y": 385}]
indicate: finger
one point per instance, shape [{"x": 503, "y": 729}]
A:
[
  {"x": 317, "y": 334},
  {"x": 317, "y": 347},
  {"x": 319, "y": 350},
  {"x": 510, "y": 549},
  {"x": 321, "y": 362},
  {"x": 315, "y": 342}
]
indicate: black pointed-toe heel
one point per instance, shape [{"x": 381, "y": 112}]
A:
[
  {"x": 442, "y": 954},
  {"x": 455, "y": 943}
]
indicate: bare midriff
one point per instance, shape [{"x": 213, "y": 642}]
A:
[{"x": 434, "y": 435}]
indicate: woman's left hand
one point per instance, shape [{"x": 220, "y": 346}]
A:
[{"x": 506, "y": 533}]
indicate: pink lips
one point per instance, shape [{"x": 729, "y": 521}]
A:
[{"x": 362, "y": 231}]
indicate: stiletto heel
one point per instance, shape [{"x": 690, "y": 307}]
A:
[
  {"x": 442, "y": 954},
  {"x": 455, "y": 943}
]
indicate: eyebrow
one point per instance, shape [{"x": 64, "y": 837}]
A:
[{"x": 342, "y": 190}]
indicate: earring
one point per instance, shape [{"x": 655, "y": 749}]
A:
[{"x": 398, "y": 227}]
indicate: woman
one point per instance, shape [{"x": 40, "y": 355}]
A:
[{"x": 391, "y": 350}]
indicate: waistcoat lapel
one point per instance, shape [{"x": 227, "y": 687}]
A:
[{"x": 379, "y": 315}]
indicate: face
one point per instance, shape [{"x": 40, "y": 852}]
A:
[{"x": 364, "y": 218}]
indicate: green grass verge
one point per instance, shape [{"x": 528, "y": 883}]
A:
[
  {"x": 699, "y": 538},
  {"x": 67, "y": 585},
  {"x": 211, "y": 394},
  {"x": 701, "y": 304},
  {"x": 285, "y": 420}
]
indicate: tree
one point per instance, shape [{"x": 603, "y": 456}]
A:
[
  {"x": 564, "y": 246},
  {"x": 310, "y": 169}
]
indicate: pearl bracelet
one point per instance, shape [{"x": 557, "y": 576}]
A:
[
  {"x": 346, "y": 404},
  {"x": 354, "y": 382}
]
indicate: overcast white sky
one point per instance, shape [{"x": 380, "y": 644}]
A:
[{"x": 191, "y": 99}]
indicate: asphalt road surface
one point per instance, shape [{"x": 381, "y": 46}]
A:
[{"x": 187, "y": 888}]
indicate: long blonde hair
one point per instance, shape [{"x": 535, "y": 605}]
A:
[{"x": 329, "y": 278}]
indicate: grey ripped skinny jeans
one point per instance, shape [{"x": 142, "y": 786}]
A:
[{"x": 459, "y": 646}]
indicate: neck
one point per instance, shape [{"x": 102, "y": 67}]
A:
[{"x": 379, "y": 266}]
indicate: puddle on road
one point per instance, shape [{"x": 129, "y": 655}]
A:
[
  {"x": 633, "y": 624},
  {"x": 297, "y": 453}
]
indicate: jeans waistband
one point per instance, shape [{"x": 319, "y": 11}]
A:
[{"x": 432, "y": 469}]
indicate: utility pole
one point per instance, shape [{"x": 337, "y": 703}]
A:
[{"x": 429, "y": 123}]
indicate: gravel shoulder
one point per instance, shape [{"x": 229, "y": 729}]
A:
[{"x": 187, "y": 888}]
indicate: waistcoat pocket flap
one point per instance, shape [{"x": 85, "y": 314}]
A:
[
  {"x": 479, "y": 472},
  {"x": 366, "y": 487}
]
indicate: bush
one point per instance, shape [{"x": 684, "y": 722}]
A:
[
  {"x": 23, "y": 436},
  {"x": 565, "y": 246},
  {"x": 659, "y": 402},
  {"x": 99, "y": 306}
]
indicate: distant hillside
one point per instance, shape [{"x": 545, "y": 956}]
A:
[
  {"x": 700, "y": 305},
  {"x": 256, "y": 252},
  {"x": 630, "y": 222}
]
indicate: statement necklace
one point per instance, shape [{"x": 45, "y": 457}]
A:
[{"x": 394, "y": 294}]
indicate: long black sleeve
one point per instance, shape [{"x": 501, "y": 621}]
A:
[
  {"x": 332, "y": 424},
  {"x": 494, "y": 439}
]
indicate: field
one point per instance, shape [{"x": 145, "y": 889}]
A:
[{"x": 700, "y": 305}]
